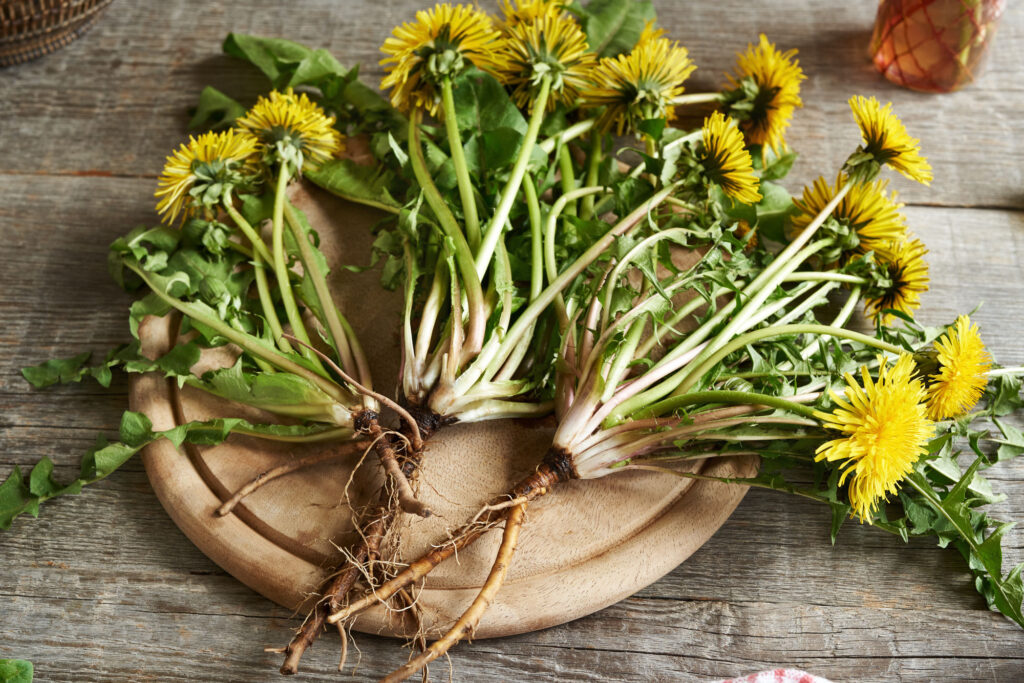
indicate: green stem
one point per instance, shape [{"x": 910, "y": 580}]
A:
[
  {"x": 245, "y": 341},
  {"x": 568, "y": 177},
  {"x": 593, "y": 171},
  {"x": 697, "y": 98},
  {"x": 250, "y": 233},
  {"x": 267, "y": 303},
  {"x": 463, "y": 254},
  {"x": 815, "y": 276},
  {"x": 536, "y": 237},
  {"x": 451, "y": 125},
  {"x": 1005, "y": 371},
  {"x": 508, "y": 195},
  {"x": 730, "y": 397},
  {"x": 570, "y": 133},
  {"x": 332, "y": 319},
  {"x": 281, "y": 270}
]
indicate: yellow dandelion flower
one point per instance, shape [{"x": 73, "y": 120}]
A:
[
  {"x": 961, "y": 379},
  {"x": 639, "y": 85},
  {"x": 887, "y": 140},
  {"x": 520, "y": 11},
  {"x": 908, "y": 278},
  {"x": 441, "y": 43},
  {"x": 726, "y": 160},
  {"x": 885, "y": 430},
  {"x": 866, "y": 209},
  {"x": 292, "y": 129},
  {"x": 552, "y": 46},
  {"x": 777, "y": 76},
  {"x": 203, "y": 169}
]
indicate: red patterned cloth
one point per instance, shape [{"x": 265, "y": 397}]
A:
[{"x": 778, "y": 676}]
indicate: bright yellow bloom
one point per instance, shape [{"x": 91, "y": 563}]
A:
[
  {"x": 212, "y": 159},
  {"x": 639, "y": 85},
  {"x": 441, "y": 43},
  {"x": 887, "y": 140},
  {"x": 552, "y": 46},
  {"x": 777, "y": 76},
  {"x": 885, "y": 431},
  {"x": 726, "y": 160},
  {"x": 650, "y": 34},
  {"x": 866, "y": 209},
  {"x": 292, "y": 129},
  {"x": 961, "y": 379},
  {"x": 518, "y": 11},
  {"x": 908, "y": 272}
]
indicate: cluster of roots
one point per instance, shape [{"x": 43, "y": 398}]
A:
[{"x": 368, "y": 574}]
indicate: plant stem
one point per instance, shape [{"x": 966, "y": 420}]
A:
[
  {"x": 593, "y": 170},
  {"x": 250, "y": 233},
  {"x": 814, "y": 276},
  {"x": 536, "y": 237},
  {"x": 697, "y": 98},
  {"x": 332, "y": 319},
  {"x": 497, "y": 223},
  {"x": 267, "y": 303},
  {"x": 1005, "y": 371},
  {"x": 451, "y": 125},
  {"x": 463, "y": 254},
  {"x": 570, "y": 133},
  {"x": 281, "y": 268},
  {"x": 568, "y": 176},
  {"x": 730, "y": 397}
]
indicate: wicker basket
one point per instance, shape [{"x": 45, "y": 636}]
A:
[{"x": 33, "y": 28}]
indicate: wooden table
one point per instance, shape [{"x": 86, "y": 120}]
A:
[{"x": 104, "y": 587}]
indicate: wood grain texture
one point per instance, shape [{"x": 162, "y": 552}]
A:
[{"x": 128, "y": 597}]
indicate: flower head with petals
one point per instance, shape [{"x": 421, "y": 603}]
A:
[
  {"x": 639, "y": 85},
  {"x": 292, "y": 129},
  {"x": 554, "y": 47},
  {"x": 885, "y": 431},
  {"x": 866, "y": 210},
  {"x": 203, "y": 172},
  {"x": 886, "y": 141},
  {"x": 442, "y": 42},
  {"x": 766, "y": 91},
  {"x": 907, "y": 279},
  {"x": 963, "y": 364},
  {"x": 726, "y": 160}
]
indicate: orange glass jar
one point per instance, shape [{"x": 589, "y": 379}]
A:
[{"x": 933, "y": 45}]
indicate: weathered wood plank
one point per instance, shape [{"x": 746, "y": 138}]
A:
[{"x": 127, "y": 597}]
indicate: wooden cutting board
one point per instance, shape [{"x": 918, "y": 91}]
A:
[{"x": 585, "y": 546}]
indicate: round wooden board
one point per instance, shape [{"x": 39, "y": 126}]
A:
[{"x": 585, "y": 546}]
